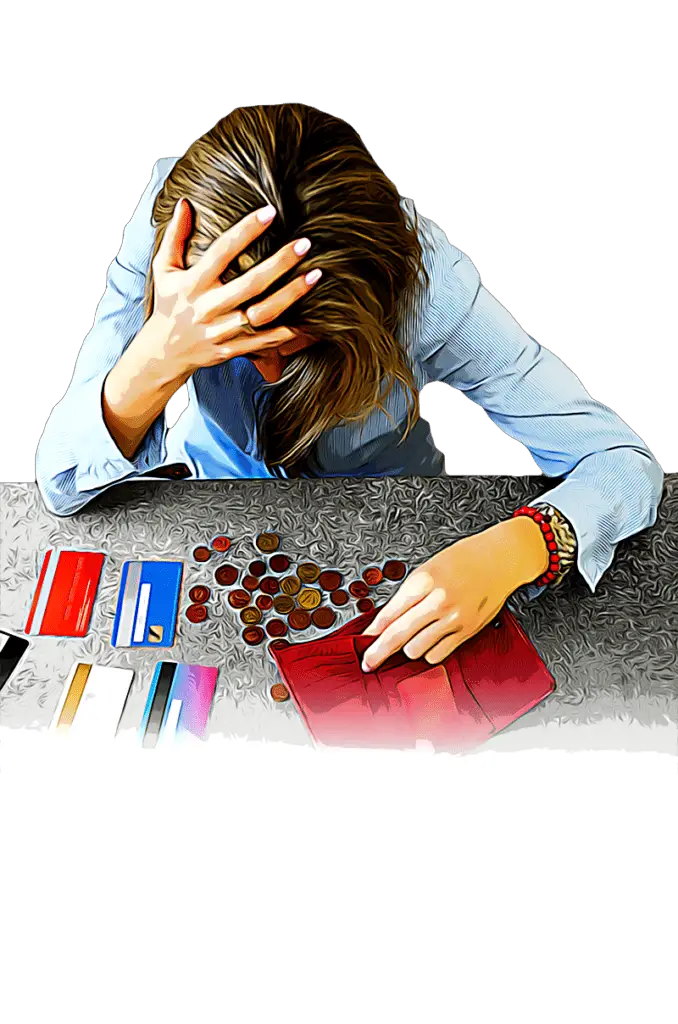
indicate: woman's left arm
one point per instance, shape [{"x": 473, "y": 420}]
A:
[{"x": 612, "y": 483}]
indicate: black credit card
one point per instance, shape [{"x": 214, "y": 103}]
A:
[{"x": 12, "y": 650}]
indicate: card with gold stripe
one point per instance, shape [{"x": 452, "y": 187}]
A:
[{"x": 92, "y": 700}]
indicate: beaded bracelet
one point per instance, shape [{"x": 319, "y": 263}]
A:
[{"x": 559, "y": 537}]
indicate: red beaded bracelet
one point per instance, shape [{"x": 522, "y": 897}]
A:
[{"x": 544, "y": 522}]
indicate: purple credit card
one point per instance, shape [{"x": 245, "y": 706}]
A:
[{"x": 179, "y": 702}]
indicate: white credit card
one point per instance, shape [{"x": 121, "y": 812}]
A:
[{"x": 92, "y": 701}]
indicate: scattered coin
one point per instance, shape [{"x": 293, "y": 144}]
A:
[
  {"x": 309, "y": 598},
  {"x": 308, "y": 572},
  {"x": 394, "y": 570},
  {"x": 250, "y": 582},
  {"x": 221, "y": 543},
  {"x": 373, "y": 576},
  {"x": 279, "y": 691},
  {"x": 290, "y": 585},
  {"x": 323, "y": 617},
  {"x": 276, "y": 627},
  {"x": 270, "y": 585},
  {"x": 257, "y": 567},
  {"x": 339, "y": 597},
  {"x": 226, "y": 575},
  {"x": 330, "y": 580},
  {"x": 201, "y": 553},
  {"x": 268, "y": 542},
  {"x": 239, "y": 599},
  {"x": 283, "y": 604},
  {"x": 250, "y": 615},
  {"x": 253, "y": 635},
  {"x": 279, "y": 563},
  {"x": 358, "y": 589},
  {"x": 265, "y": 602},
  {"x": 277, "y": 645},
  {"x": 299, "y": 619},
  {"x": 196, "y": 613},
  {"x": 365, "y": 604},
  {"x": 199, "y": 594}
]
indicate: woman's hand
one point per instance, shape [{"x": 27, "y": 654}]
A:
[
  {"x": 197, "y": 320},
  {"x": 453, "y": 595}
]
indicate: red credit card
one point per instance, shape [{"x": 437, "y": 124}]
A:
[{"x": 65, "y": 593}]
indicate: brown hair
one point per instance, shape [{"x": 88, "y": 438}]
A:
[{"x": 316, "y": 171}]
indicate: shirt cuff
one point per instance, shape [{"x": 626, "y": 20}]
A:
[{"x": 102, "y": 463}]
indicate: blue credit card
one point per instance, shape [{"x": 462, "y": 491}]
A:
[{"x": 148, "y": 602}]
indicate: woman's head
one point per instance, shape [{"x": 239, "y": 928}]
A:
[{"x": 316, "y": 171}]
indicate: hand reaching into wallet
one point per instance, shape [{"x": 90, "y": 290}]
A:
[{"x": 453, "y": 595}]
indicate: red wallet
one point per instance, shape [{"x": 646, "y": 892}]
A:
[{"x": 487, "y": 683}]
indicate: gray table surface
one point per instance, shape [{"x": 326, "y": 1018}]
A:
[{"x": 613, "y": 654}]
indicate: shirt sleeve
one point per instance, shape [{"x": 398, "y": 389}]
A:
[
  {"x": 612, "y": 483},
  {"x": 76, "y": 457}
]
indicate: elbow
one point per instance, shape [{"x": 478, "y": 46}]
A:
[{"x": 58, "y": 492}]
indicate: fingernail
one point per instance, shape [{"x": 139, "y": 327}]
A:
[
  {"x": 302, "y": 246},
  {"x": 313, "y": 276},
  {"x": 265, "y": 215},
  {"x": 365, "y": 667}
]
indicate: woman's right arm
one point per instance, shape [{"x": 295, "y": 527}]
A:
[{"x": 77, "y": 456}]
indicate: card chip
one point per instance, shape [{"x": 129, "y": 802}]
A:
[{"x": 155, "y": 634}]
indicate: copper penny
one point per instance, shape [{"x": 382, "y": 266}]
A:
[
  {"x": 268, "y": 542},
  {"x": 269, "y": 585},
  {"x": 199, "y": 594},
  {"x": 277, "y": 645},
  {"x": 283, "y": 604},
  {"x": 290, "y": 585},
  {"x": 279, "y": 692},
  {"x": 358, "y": 589},
  {"x": 309, "y": 598},
  {"x": 276, "y": 627},
  {"x": 339, "y": 597},
  {"x": 238, "y": 599},
  {"x": 323, "y": 617},
  {"x": 394, "y": 570},
  {"x": 308, "y": 572},
  {"x": 226, "y": 575},
  {"x": 253, "y": 635},
  {"x": 366, "y": 604},
  {"x": 196, "y": 613},
  {"x": 373, "y": 576},
  {"x": 201, "y": 554},
  {"x": 250, "y": 615},
  {"x": 265, "y": 602},
  {"x": 299, "y": 619},
  {"x": 250, "y": 582},
  {"x": 279, "y": 563},
  {"x": 330, "y": 580},
  {"x": 221, "y": 543},
  {"x": 257, "y": 567}
]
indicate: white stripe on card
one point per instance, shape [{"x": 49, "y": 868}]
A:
[
  {"x": 129, "y": 602},
  {"x": 45, "y": 592},
  {"x": 171, "y": 722},
  {"x": 142, "y": 613}
]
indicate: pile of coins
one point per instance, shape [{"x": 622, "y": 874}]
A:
[{"x": 295, "y": 598}]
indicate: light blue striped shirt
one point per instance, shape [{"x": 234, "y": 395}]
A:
[{"x": 455, "y": 331}]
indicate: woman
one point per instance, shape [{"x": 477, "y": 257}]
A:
[{"x": 276, "y": 271}]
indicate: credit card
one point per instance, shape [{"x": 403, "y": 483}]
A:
[
  {"x": 12, "y": 650},
  {"x": 92, "y": 700},
  {"x": 148, "y": 602},
  {"x": 65, "y": 592},
  {"x": 178, "y": 703}
]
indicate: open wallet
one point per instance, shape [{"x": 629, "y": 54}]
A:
[{"x": 482, "y": 687}]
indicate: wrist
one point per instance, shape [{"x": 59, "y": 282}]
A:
[
  {"x": 147, "y": 359},
  {"x": 521, "y": 549}
]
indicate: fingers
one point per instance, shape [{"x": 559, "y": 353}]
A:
[
  {"x": 274, "y": 305},
  {"x": 446, "y": 646},
  {"x": 230, "y": 244},
  {"x": 170, "y": 254},
  {"x": 249, "y": 344},
  {"x": 410, "y": 593},
  {"x": 241, "y": 290},
  {"x": 401, "y": 634}
]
